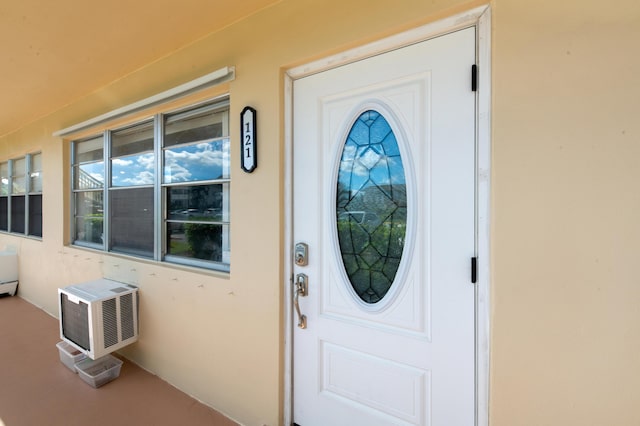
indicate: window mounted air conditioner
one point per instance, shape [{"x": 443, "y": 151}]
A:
[
  {"x": 98, "y": 317},
  {"x": 8, "y": 273}
]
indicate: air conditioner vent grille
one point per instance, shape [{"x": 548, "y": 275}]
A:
[
  {"x": 110, "y": 322},
  {"x": 127, "y": 316},
  {"x": 75, "y": 321}
]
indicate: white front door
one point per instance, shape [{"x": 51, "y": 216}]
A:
[{"x": 384, "y": 184}]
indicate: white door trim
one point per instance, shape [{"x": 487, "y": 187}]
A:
[{"x": 479, "y": 17}]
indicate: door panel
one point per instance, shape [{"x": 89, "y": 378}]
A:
[{"x": 407, "y": 358}]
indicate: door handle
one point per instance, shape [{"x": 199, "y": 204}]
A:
[{"x": 301, "y": 289}]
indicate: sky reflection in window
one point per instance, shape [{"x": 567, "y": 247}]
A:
[{"x": 197, "y": 162}]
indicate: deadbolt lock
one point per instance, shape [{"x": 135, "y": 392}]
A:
[{"x": 301, "y": 254}]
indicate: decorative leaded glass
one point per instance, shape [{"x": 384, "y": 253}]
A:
[{"x": 371, "y": 206}]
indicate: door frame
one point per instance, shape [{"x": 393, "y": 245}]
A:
[{"x": 480, "y": 18}]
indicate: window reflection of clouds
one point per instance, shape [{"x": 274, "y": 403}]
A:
[
  {"x": 203, "y": 161},
  {"x": 147, "y": 161},
  {"x": 354, "y": 174},
  {"x": 122, "y": 163},
  {"x": 142, "y": 178},
  {"x": 134, "y": 170},
  {"x": 387, "y": 170}
]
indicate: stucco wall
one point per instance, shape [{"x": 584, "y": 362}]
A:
[
  {"x": 565, "y": 316},
  {"x": 566, "y": 334}
]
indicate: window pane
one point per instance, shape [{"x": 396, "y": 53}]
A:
[
  {"x": 133, "y": 162},
  {"x": 206, "y": 203},
  {"x": 89, "y": 217},
  {"x": 36, "y": 162},
  {"x": 132, "y": 140},
  {"x": 371, "y": 206},
  {"x": 4, "y": 213},
  {"x": 19, "y": 185},
  {"x": 17, "y": 214},
  {"x": 35, "y": 215},
  {"x": 36, "y": 173},
  {"x": 89, "y": 150},
  {"x": 194, "y": 126},
  {"x": 89, "y": 229},
  {"x": 89, "y": 204},
  {"x": 4, "y": 178},
  {"x": 202, "y": 161},
  {"x": 18, "y": 173},
  {"x": 89, "y": 176},
  {"x": 196, "y": 241},
  {"x": 19, "y": 167},
  {"x": 36, "y": 182},
  {"x": 133, "y": 170},
  {"x": 132, "y": 221}
]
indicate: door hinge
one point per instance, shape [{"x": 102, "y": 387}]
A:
[
  {"x": 474, "y": 270},
  {"x": 474, "y": 78}
]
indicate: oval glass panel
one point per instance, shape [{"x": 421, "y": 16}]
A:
[{"x": 371, "y": 206}]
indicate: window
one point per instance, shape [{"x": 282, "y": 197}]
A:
[
  {"x": 21, "y": 195},
  {"x": 88, "y": 190},
  {"x": 4, "y": 196},
  {"x": 167, "y": 196},
  {"x": 131, "y": 190},
  {"x": 196, "y": 185}
]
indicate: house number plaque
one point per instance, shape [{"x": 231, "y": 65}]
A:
[{"x": 248, "y": 144}]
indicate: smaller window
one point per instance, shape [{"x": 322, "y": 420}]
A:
[
  {"x": 17, "y": 214},
  {"x": 132, "y": 158},
  {"x": 35, "y": 196},
  {"x": 196, "y": 186},
  {"x": 371, "y": 206},
  {"x": 88, "y": 183},
  {"x": 131, "y": 197},
  {"x": 18, "y": 181},
  {"x": 21, "y": 195},
  {"x": 4, "y": 196},
  {"x": 18, "y": 176}
]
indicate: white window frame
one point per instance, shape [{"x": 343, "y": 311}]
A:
[
  {"x": 159, "y": 190},
  {"x": 226, "y": 252}
]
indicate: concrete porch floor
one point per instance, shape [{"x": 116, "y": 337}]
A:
[{"x": 36, "y": 389}]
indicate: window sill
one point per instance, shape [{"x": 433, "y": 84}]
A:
[{"x": 28, "y": 237}]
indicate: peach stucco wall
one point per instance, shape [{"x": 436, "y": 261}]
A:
[
  {"x": 566, "y": 330},
  {"x": 565, "y": 322}
]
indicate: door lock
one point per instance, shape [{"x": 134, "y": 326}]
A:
[{"x": 301, "y": 254}]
